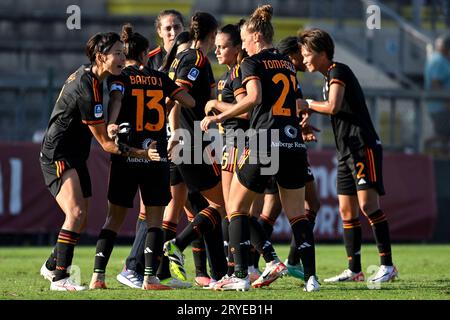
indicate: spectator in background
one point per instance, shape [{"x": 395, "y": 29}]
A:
[{"x": 437, "y": 78}]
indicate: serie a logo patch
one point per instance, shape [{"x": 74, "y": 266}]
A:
[
  {"x": 98, "y": 111},
  {"x": 193, "y": 74}
]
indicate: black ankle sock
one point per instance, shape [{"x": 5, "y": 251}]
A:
[
  {"x": 203, "y": 222},
  {"x": 199, "y": 255},
  {"x": 304, "y": 240},
  {"x": 239, "y": 242},
  {"x": 259, "y": 239},
  {"x": 105, "y": 245},
  {"x": 65, "y": 246},
  {"x": 153, "y": 250},
  {"x": 352, "y": 241},
  {"x": 50, "y": 264},
  {"x": 170, "y": 232},
  {"x": 380, "y": 228}
]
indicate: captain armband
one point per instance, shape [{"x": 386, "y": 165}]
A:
[{"x": 117, "y": 87}]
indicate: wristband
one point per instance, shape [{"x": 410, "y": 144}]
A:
[{"x": 309, "y": 102}]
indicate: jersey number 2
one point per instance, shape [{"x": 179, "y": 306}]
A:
[
  {"x": 155, "y": 98},
  {"x": 278, "y": 108}
]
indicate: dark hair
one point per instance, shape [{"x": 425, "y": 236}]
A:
[
  {"x": 232, "y": 30},
  {"x": 288, "y": 45},
  {"x": 317, "y": 40},
  {"x": 135, "y": 43},
  {"x": 170, "y": 12},
  {"x": 100, "y": 43},
  {"x": 202, "y": 24},
  {"x": 259, "y": 21},
  {"x": 181, "y": 38}
]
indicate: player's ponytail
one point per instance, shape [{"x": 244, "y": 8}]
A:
[
  {"x": 100, "y": 43},
  {"x": 181, "y": 38},
  {"x": 134, "y": 42},
  {"x": 259, "y": 21}
]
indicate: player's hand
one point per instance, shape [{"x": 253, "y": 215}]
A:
[
  {"x": 304, "y": 116},
  {"x": 210, "y": 107},
  {"x": 152, "y": 152},
  {"x": 112, "y": 130},
  {"x": 302, "y": 106},
  {"x": 204, "y": 125},
  {"x": 308, "y": 132}
]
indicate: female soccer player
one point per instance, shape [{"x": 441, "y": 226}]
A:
[
  {"x": 77, "y": 116},
  {"x": 138, "y": 94},
  {"x": 359, "y": 178},
  {"x": 269, "y": 79},
  {"x": 192, "y": 70},
  {"x": 168, "y": 24}
]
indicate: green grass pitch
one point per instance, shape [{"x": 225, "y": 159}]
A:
[{"x": 423, "y": 270}]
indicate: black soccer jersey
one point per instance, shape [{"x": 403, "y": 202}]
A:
[
  {"x": 228, "y": 87},
  {"x": 80, "y": 103},
  {"x": 155, "y": 58},
  {"x": 352, "y": 125},
  {"x": 143, "y": 104},
  {"x": 279, "y": 92},
  {"x": 193, "y": 70}
]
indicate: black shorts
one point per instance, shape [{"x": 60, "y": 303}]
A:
[
  {"x": 152, "y": 179},
  {"x": 198, "y": 177},
  {"x": 361, "y": 170},
  {"x": 290, "y": 174},
  {"x": 53, "y": 172}
]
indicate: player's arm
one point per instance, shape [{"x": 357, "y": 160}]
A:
[
  {"x": 108, "y": 145},
  {"x": 334, "y": 103},
  {"x": 184, "y": 98},
  {"x": 253, "y": 97},
  {"x": 221, "y": 106}
]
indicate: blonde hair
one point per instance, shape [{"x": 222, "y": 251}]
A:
[{"x": 259, "y": 21}]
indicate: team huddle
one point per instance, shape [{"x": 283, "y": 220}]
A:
[{"x": 253, "y": 160}]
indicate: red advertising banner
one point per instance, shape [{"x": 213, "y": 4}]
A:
[{"x": 26, "y": 205}]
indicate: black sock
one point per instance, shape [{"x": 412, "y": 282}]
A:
[
  {"x": 170, "y": 232},
  {"x": 304, "y": 240},
  {"x": 153, "y": 250},
  {"x": 260, "y": 241},
  {"x": 252, "y": 256},
  {"x": 51, "y": 261},
  {"x": 311, "y": 216},
  {"x": 352, "y": 241},
  {"x": 216, "y": 256},
  {"x": 225, "y": 234},
  {"x": 65, "y": 246},
  {"x": 226, "y": 247},
  {"x": 105, "y": 245},
  {"x": 380, "y": 229},
  {"x": 294, "y": 253},
  {"x": 203, "y": 222},
  {"x": 199, "y": 254},
  {"x": 239, "y": 242},
  {"x": 267, "y": 224}
]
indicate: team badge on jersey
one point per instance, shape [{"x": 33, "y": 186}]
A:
[
  {"x": 290, "y": 131},
  {"x": 193, "y": 74},
  {"x": 98, "y": 111}
]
